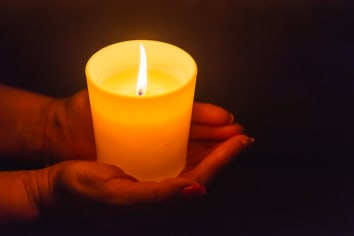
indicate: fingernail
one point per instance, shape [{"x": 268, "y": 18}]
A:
[
  {"x": 231, "y": 119},
  {"x": 193, "y": 192},
  {"x": 247, "y": 140}
]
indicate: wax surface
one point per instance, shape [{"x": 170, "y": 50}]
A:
[{"x": 124, "y": 82}]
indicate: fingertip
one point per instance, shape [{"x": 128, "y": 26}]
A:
[
  {"x": 231, "y": 118},
  {"x": 210, "y": 114},
  {"x": 246, "y": 140},
  {"x": 215, "y": 132},
  {"x": 193, "y": 192}
]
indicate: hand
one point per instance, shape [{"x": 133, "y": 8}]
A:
[
  {"x": 214, "y": 141},
  {"x": 72, "y": 118},
  {"x": 70, "y": 129}
]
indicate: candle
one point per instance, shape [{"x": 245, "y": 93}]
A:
[{"x": 141, "y": 95}]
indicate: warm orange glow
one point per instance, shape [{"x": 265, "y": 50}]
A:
[
  {"x": 143, "y": 131},
  {"x": 141, "y": 84}
]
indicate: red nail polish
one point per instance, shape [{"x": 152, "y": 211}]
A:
[
  {"x": 193, "y": 191},
  {"x": 247, "y": 140},
  {"x": 232, "y": 118}
]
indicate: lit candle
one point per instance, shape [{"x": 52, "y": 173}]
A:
[{"x": 141, "y": 95}]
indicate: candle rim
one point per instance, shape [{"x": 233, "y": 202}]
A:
[
  {"x": 146, "y": 97},
  {"x": 192, "y": 75}
]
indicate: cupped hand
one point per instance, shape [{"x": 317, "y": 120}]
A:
[{"x": 215, "y": 140}]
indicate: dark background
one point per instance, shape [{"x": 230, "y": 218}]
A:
[{"x": 285, "y": 68}]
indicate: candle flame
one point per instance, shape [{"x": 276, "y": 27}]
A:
[{"x": 141, "y": 84}]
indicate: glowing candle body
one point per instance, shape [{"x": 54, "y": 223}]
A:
[{"x": 146, "y": 136}]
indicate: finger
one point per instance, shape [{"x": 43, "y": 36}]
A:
[
  {"x": 219, "y": 158},
  {"x": 210, "y": 114},
  {"x": 205, "y": 132},
  {"x": 108, "y": 184},
  {"x": 136, "y": 192}
]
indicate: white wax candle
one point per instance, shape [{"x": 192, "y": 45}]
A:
[{"x": 147, "y": 135}]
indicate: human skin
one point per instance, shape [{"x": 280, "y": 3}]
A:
[{"x": 57, "y": 136}]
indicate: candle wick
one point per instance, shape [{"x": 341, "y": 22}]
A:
[{"x": 140, "y": 92}]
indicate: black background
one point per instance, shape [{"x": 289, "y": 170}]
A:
[{"x": 285, "y": 68}]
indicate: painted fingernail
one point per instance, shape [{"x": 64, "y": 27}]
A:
[
  {"x": 247, "y": 140},
  {"x": 231, "y": 119},
  {"x": 193, "y": 192}
]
